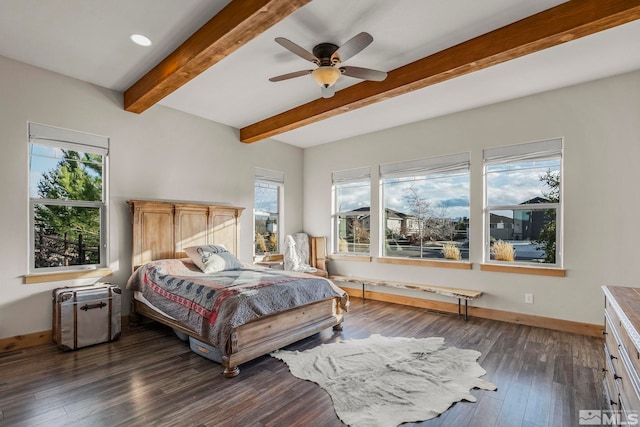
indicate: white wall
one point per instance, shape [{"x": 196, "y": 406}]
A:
[
  {"x": 165, "y": 154},
  {"x": 160, "y": 154},
  {"x": 600, "y": 123}
]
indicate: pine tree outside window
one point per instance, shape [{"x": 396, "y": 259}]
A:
[{"x": 67, "y": 199}]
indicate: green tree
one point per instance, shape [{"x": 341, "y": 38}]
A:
[
  {"x": 547, "y": 238},
  {"x": 78, "y": 176}
]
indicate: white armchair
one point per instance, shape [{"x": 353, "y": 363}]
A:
[{"x": 306, "y": 254}]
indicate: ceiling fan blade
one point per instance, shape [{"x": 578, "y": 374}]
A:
[
  {"x": 300, "y": 51},
  {"x": 363, "y": 73},
  {"x": 328, "y": 92},
  {"x": 352, "y": 47},
  {"x": 290, "y": 75}
]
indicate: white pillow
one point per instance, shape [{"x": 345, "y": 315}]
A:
[{"x": 213, "y": 258}]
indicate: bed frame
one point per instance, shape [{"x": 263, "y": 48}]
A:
[{"x": 162, "y": 229}]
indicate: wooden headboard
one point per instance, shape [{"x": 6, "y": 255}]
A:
[{"x": 162, "y": 229}]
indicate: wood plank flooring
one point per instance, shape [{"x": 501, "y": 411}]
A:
[{"x": 151, "y": 378}]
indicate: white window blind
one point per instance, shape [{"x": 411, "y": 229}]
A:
[
  {"x": 351, "y": 175},
  {"x": 524, "y": 152},
  {"x": 268, "y": 175},
  {"x": 421, "y": 167},
  {"x": 68, "y": 139}
]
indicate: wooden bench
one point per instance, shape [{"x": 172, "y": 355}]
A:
[{"x": 460, "y": 294}]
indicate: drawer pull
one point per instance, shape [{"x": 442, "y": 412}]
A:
[
  {"x": 88, "y": 307},
  {"x": 613, "y": 403},
  {"x": 617, "y": 377},
  {"x": 611, "y": 356},
  {"x": 605, "y": 333}
]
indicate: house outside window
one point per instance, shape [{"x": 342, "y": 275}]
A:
[
  {"x": 67, "y": 199},
  {"x": 268, "y": 188},
  {"x": 523, "y": 203},
  {"x": 351, "y": 211},
  {"x": 425, "y": 209}
]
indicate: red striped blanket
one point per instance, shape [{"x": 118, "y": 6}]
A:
[{"x": 212, "y": 304}]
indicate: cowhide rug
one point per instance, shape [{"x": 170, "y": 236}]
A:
[{"x": 385, "y": 381}]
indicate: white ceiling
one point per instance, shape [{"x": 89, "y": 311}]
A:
[{"x": 89, "y": 40}]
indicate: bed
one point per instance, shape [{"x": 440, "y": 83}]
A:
[{"x": 163, "y": 234}]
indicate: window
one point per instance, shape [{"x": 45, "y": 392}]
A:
[
  {"x": 523, "y": 203},
  {"x": 67, "y": 199},
  {"x": 351, "y": 211},
  {"x": 266, "y": 210},
  {"x": 426, "y": 208}
]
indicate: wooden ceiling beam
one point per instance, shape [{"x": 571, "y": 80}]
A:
[
  {"x": 236, "y": 24},
  {"x": 560, "y": 24}
]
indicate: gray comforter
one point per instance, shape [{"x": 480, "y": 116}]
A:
[{"x": 212, "y": 304}]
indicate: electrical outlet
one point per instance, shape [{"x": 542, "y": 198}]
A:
[{"x": 528, "y": 298}]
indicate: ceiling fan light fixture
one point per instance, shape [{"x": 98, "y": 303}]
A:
[{"x": 326, "y": 76}]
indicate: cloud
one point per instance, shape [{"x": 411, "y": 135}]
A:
[
  {"x": 515, "y": 187},
  {"x": 353, "y": 197},
  {"x": 450, "y": 192}
]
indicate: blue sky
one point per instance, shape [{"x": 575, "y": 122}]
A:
[
  {"x": 43, "y": 159},
  {"x": 516, "y": 183},
  {"x": 446, "y": 195},
  {"x": 266, "y": 198}
]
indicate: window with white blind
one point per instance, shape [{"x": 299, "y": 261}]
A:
[
  {"x": 268, "y": 189},
  {"x": 425, "y": 208},
  {"x": 351, "y": 211},
  {"x": 523, "y": 204},
  {"x": 67, "y": 199}
]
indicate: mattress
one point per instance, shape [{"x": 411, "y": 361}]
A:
[{"x": 137, "y": 295}]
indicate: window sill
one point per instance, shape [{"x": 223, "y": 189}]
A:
[
  {"x": 66, "y": 275},
  {"x": 345, "y": 257},
  {"x": 461, "y": 265},
  {"x": 518, "y": 269}
]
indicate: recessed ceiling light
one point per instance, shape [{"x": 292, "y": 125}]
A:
[{"x": 141, "y": 40}]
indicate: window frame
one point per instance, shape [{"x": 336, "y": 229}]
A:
[
  {"x": 276, "y": 179},
  {"x": 66, "y": 139},
  {"x": 551, "y": 149},
  {"x": 423, "y": 168},
  {"x": 349, "y": 177}
]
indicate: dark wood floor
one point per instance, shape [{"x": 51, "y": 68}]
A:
[{"x": 150, "y": 378}]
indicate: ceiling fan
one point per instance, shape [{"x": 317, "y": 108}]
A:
[{"x": 329, "y": 57}]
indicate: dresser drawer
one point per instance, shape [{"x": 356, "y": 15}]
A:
[
  {"x": 625, "y": 385},
  {"x": 611, "y": 339},
  {"x": 623, "y": 331},
  {"x": 609, "y": 381}
]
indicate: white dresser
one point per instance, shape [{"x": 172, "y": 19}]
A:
[{"x": 622, "y": 347}]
